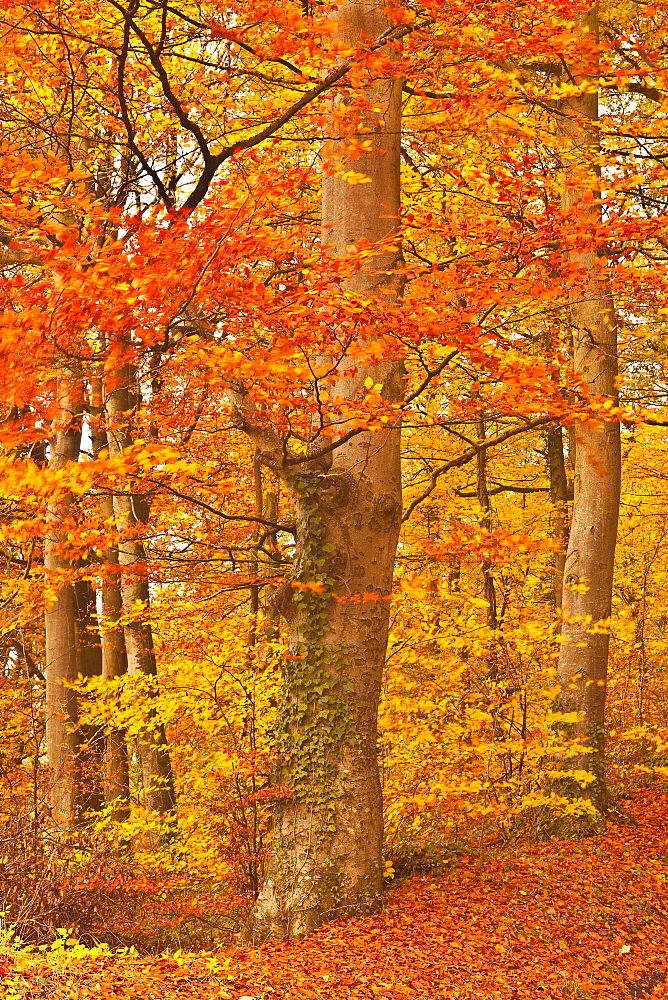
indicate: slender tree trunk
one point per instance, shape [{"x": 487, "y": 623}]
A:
[
  {"x": 271, "y": 614},
  {"x": 116, "y": 770},
  {"x": 63, "y": 735},
  {"x": 327, "y": 846},
  {"x": 559, "y": 495},
  {"x": 130, "y": 513},
  {"x": 114, "y": 665},
  {"x": 590, "y": 557},
  {"x": 261, "y": 566},
  {"x": 489, "y": 587},
  {"x": 255, "y": 561},
  {"x": 482, "y": 494},
  {"x": 89, "y": 665}
]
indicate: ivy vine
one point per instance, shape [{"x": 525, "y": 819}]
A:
[{"x": 315, "y": 717}]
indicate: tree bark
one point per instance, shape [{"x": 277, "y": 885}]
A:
[
  {"x": 559, "y": 495},
  {"x": 114, "y": 665},
  {"x": 63, "y": 736},
  {"x": 116, "y": 772},
  {"x": 89, "y": 665},
  {"x": 489, "y": 587},
  {"x": 589, "y": 563},
  {"x": 482, "y": 495},
  {"x": 327, "y": 846},
  {"x": 130, "y": 513}
]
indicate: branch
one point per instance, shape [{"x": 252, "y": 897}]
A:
[
  {"x": 311, "y": 95},
  {"x": 125, "y": 111},
  {"x": 507, "y": 489},
  {"x": 271, "y": 525},
  {"x": 471, "y": 453},
  {"x": 427, "y": 93},
  {"x": 429, "y": 376},
  {"x": 156, "y": 63},
  {"x": 273, "y": 451}
]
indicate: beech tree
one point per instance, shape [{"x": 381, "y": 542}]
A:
[
  {"x": 224, "y": 196},
  {"x": 327, "y": 848},
  {"x": 63, "y": 734},
  {"x": 130, "y": 513},
  {"x": 112, "y": 635},
  {"x": 590, "y": 557}
]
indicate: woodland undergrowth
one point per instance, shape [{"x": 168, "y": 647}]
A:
[
  {"x": 585, "y": 919},
  {"x": 464, "y": 768}
]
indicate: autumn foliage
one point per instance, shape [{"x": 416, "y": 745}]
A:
[
  {"x": 282, "y": 284},
  {"x": 560, "y": 919}
]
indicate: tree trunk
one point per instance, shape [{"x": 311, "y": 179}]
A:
[
  {"x": 327, "y": 846},
  {"x": 116, "y": 772},
  {"x": 482, "y": 494},
  {"x": 130, "y": 512},
  {"x": 114, "y": 665},
  {"x": 272, "y": 616},
  {"x": 590, "y": 557},
  {"x": 89, "y": 665},
  {"x": 559, "y": 495},
  {"x": 63, "y": 735},
  {"x": 489, "y": 587},
  {"x": 262, "y": 565}
]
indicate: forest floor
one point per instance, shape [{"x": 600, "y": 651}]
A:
[{"x": 586, "y": 919}]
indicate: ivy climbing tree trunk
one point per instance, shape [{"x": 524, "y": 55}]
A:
[
  {"x": 327, "y": 844},
  {"x": 63, "y": 735},
  {"x": 589, "y": 565},
  {"x": 131, "y": 514}
]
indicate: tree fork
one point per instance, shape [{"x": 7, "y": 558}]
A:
[{"x": 327, "y": 848}]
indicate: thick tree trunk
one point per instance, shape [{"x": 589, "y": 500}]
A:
[
  {"x": 63, "y": 735},
  {"x": 590, "y": 557},
  {"x": 130, "y": 512},
  {"x": 327, "y": 846}
]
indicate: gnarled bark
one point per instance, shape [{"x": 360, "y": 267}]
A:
[{"x": 327, "y": 846}]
